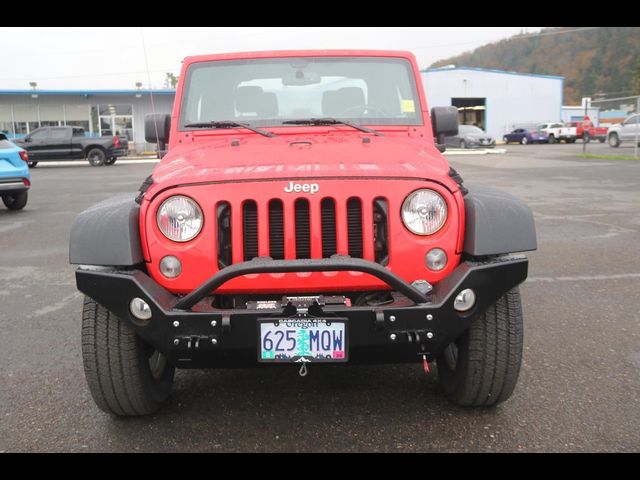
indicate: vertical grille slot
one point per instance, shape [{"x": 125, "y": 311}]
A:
[
  {"x": 354, "y": 227},
  {"x": 223, "y": 216},
  {"x": 250, "y": 229},
  {"x": 381, "y": 231},
  {"x": 328, "y": 223},
  {"x": 276, "y": 230},
  {"x": 303, "y": 229}
]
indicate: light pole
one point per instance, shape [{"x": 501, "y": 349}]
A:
[
  {"x": 635, "y": 147},
  {"x": 33, "y": 86}
]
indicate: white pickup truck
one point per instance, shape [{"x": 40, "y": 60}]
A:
[{"x": 559, "y": 131}]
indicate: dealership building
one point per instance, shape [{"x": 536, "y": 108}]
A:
[
  {"x": 495, "y": 100},
  {"x": 99, "y": 112}
]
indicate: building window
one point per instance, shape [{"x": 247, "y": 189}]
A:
[
  {"x": 115, "y": 120},
  {"x": 77, "y": 116},
  {"x": 21, "y": 128},
  {"x": 26, "y": 118}
]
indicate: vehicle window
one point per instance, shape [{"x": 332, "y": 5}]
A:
[
  {"x": 58, "y": 133},
  {"x": 268, "y": 92},
  {"x": 556, "y": 125},
  {"x": 78, "y": 132},
  {"x": 40, "y": 134},
  {"x": 632, "y": 120},
  {"x": 469, "y": 129}
]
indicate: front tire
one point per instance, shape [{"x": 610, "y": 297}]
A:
[
  {"x": 505, "y": 140},
  {"x": 125, "y": 375},
  {"x": 524, "y": 140},
  {"x": 552, "y": 139},
  {"x": 15, "y": 201},
  {"x": 480, "y": 369},
  {"x": 96, "y": 157},
  {"x": 463, "y": 144},
  {"x": 614, "y": 140}
]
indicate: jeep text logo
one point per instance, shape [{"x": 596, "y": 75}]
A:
[{"x": 302, "y": 187}]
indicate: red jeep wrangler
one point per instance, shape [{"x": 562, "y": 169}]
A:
[{"x": 303, "y": 214}]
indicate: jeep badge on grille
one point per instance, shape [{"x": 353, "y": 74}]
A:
[{"x": 302, "y": 187}]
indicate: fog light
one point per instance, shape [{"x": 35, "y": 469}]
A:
[
  {"x": 140, "y": 309},
  {"x": 436, "y": 259},
  {"x": 465, "y": 300},
  {"x": 170, "y": 266}
]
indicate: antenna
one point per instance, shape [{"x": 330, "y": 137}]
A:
[{"x": 153, "y": 107}]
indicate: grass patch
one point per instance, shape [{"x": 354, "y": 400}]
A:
[{"x": 608, "y": 157}]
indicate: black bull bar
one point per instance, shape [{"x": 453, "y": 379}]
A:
[{"x": 192, "y": 333}]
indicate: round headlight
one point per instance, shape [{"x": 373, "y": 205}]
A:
[
  {"x": 424, "y": 212},
  {"x": 180, "y": 218}
]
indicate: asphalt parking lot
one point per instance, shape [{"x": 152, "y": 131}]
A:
[{"x": 579, "y": 388}]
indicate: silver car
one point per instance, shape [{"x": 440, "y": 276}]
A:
[
  {"x": 470, "y": 136},
  {"x": 627, "y": 131}
]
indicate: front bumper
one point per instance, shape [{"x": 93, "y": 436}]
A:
[{"x": 199, "y": 335}]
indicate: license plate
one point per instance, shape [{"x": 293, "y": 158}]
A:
[{"x": 302, "y": 340}]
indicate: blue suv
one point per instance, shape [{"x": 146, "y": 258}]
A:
[{"x": 14, "y": 174}]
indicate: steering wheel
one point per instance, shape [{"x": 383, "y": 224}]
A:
[{"x": 364, "y": 108}]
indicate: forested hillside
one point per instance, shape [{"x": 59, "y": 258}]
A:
[{"x": 601, "y": 60}]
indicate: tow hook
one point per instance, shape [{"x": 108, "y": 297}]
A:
[{"x": 303, "y": 368}]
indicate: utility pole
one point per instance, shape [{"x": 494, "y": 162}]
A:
[{"x": 635, "y": 147}]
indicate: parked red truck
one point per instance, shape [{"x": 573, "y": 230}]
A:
[
  {"x": 303, "y": 215},
  {"x": 587, "y": 131}
]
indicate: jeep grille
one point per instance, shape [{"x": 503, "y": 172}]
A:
[{"x": 305, "y": 217}]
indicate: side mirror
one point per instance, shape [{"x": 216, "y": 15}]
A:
[
  {"x": 444, "y": 121},
  {"x": 156, "y": 128},
  {"x": 27, "y": 138}
]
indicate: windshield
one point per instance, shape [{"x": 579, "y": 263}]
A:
[
  {"x": 469, "y": 130},
  {"x": 269, "y": 92}
]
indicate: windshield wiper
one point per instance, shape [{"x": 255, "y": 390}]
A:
[
  {"x": 229, "y": 124},
  {"x": 331, "y": 121}
]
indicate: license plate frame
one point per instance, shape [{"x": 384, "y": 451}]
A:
[{"x": 298, "y": 325}]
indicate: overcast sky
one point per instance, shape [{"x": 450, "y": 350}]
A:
[{"x": 110, "y": 57}]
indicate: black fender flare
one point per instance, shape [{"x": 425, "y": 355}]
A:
[
  {"x": 497, "y": 223},
  {"x": 107, "y": 234}
]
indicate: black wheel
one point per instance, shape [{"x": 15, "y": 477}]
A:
[
  {"x": 32, "y": 164},
  {"x": 614, "y": 140},
  {"x": 96, "y": 157},
  {"x": 481, "y": 367},
  {"x": 505, "y": 140},
  {"x": 552, "y": 139},
  {"x": 125, "y": 375},
  {"x": 463, "y": 144},
  {"x": 110, "y": 161},
  {"x": 524, "y": 140},
  {"x": 15, "y": 201},
  {"x": 586, "y": 138}
]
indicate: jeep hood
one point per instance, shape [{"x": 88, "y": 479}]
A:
[{"x": 225, "y": 158}]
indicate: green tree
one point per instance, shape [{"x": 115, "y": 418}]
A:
[{"x": 170, "y": 80}]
